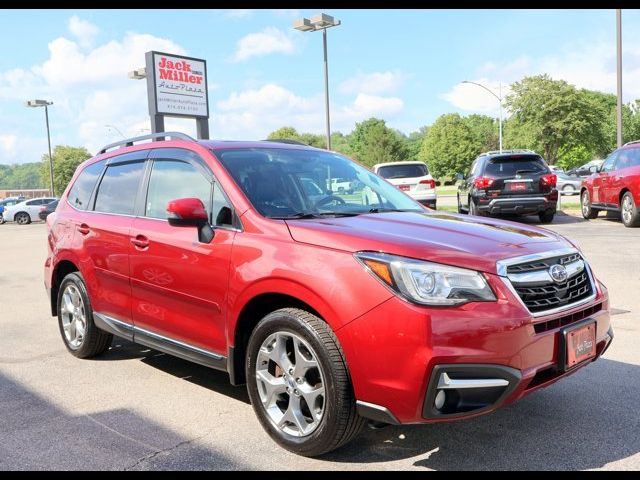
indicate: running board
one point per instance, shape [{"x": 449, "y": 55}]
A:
[{"x": 159, "y": 342}]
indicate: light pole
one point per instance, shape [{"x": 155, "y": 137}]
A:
[
  {"x": 116, "y": 129},
  {"x": 499, "y": 97},
  {"x": 45, "y": 104},
  {"x": 321, "y": 22},
  {"x": 619, "y": 74}
]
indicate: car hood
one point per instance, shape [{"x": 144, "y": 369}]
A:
[{"x": 452, "y": 239}]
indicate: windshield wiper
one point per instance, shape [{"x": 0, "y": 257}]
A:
[
  {"x": 385, "y": 210},
  {"x": 310, "y": 215}
]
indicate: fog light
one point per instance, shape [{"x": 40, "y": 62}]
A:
[{"x": 439, "y": 401}]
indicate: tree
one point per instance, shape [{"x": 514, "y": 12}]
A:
[
  {"x": 414, "y": 141},
  {"x": 65, "y": 161},
  {"x": 485, "y": 132},
  {"x": 373, "y": 142},
  {"x": 20, "y": 176},
  {"x": 449, "y": 146},
  {"x": 290, "y": 133},
  {"x": 555, "y": 114}
]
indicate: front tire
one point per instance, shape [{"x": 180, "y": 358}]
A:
[
  {"x": 299, "y": 383},
  {"x": 459, "y": 204},
  {"x": 22, "y": 218},
  {"x": 588, "y": 211},
  {"x": 75, "y": 319},
  {"x": 629, "y": 212}
]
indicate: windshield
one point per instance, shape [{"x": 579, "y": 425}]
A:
[
  {"x": 403, "y": 171},
  {"x": 292, "y": 183}
]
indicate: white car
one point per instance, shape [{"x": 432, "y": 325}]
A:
[
  {"x": 26, "y": 211},
  {"x": 412, "y": 178}
]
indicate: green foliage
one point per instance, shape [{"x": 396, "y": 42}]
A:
[
  {"x": 65, "y": 161},
  {"x": 414, "y": 143},
  {"x": 21, "y": 176},
  {"x": 290, "y": 133},
  {"x": 555, "y": 113},
  {"x": 569, "y": 157},
  {"x": 373, "y": 142},
  {"x": 449, "y": 146}
]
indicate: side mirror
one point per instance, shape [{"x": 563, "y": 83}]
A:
[
  {"x": 186, "y": 212},
  {"x": 459, "y": 176}
]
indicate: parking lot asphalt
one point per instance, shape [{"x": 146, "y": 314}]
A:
[{"x": 134, "y": 408}]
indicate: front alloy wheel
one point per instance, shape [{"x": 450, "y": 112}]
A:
[
  {"x": 588, "y": 211},
  {"x": 290, "y": 383}
]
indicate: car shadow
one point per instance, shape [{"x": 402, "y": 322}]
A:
[
  {"x": 584, "y": 421},
  {"x": 202, "y": 376},
  {"x": 559, "y": 219}
]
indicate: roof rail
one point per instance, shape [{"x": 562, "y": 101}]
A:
[
  {"x": 285, "y": 140},
  {"x": 631, "y": 143},
  {"x": 515, "y": 150},
  {"x": 128, "y": 142}
]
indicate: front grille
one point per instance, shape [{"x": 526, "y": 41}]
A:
[
  {"x": 542, "y": 327},
  {"x": 543, "y": 264},
  {"x": 554, "y": 295}
]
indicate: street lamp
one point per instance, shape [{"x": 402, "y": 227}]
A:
[
  {"x": 321, "y": 22},
  {"x": 499, "y": 97},
  {"x": 116, "y": 129},
  {"x": 45, "y": 104},
  {"x": 619, "y": 75}
]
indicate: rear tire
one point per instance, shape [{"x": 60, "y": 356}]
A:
[
  {"x": 629, "y": 212},
  {"x": 307, "y": 358},
  {"x": 546, "y": 216},
  {"x": 568, "y": 190},
  {"x": 588, "y": 211},
  {"x": 22, "y": 218},
  {"x": 473, "y": 209},
  {"x": 75, "y": 319}
]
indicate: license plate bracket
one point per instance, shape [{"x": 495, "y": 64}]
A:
[
  {"x": 577, "y": 344},
  {"x": 517, "y": 186}
]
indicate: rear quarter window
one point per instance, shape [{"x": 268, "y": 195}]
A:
[{"x": 80, "y": 193}]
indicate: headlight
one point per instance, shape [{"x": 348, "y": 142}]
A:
[{"x": 427, "y": 283}]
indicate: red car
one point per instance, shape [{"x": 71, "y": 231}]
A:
[
  {"x": 332, "y": 309},
  {"x": 615, "y": 187}
]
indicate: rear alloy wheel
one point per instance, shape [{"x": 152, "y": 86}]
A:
[
  {"x": 629, "y": 212},
  {"x": 588, "y": 211},
  {"x": 474, "y": 210},
  {"x": 568, "y": 189},
  {"x": 299, "y": 384},
  {"x": 75, "y": 319},
  {"x": 22, "y": 218}
]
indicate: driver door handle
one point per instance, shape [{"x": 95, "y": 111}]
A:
[{"x": 140, "y": 242}]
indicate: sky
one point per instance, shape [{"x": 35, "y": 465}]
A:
[{"x": 405, "y": 66}]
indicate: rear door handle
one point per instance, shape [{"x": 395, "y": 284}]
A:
[
  {"x": 140, "y": 241},
  {"x": 84, "y": 229}
]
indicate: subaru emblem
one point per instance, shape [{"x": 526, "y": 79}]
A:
[{"x": 558, "y": 273}]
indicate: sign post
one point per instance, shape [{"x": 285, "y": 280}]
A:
[{"x": 177, "y": 87}]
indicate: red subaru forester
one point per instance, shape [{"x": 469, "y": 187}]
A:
[{"x": 334, "y": 308}]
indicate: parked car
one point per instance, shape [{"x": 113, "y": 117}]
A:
[
  {"x": 410, "y": 177},
  {"x": 567, "y": 184},
  {"x": 555, "y": 169},
  {"x": 26, "y": 211},
  {"x": 8, "y": 202},
  {"x": 339, "y": 185},
  {"x": 332, "y": 312},
  {"x": 586, "y": 169},
  {"x": 512, "y": 182},
  {"x": 615, "y": 187},
  {"x": 47, "y": 210}
]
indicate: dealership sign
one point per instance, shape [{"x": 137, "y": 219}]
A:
[{"x": 179, "y": 86}]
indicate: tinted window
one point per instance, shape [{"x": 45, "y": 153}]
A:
[
  {"x": 509, "y": 166},
  {"x": 273, "y": 180},
  {"x": 118, "y": 188},
  {"x": 222, "y": 213},
  {"x": 35, "y": 202},
  {"x": 403, "y": 171},
  {"x": 81, "y": 191},
  {"x": 171, "y": 180}
]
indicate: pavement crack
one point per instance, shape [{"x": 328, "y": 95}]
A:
[{"x": 166, "y": 450}]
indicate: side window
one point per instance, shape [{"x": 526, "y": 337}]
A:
[
  {"x": 609, "y": 163},
  {"x": 81, "y": 191},
  {"x": 474, "y": 168},
  {"x": 34, "y": 203},
  {"x": 118, "y": 188},
  {"x": 221, "y": 209},
  {"x": 173, "y": 179},
  {"x": 634, "y": 154}
]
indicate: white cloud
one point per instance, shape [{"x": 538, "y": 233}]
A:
[
  {"x": 84, "y": 31},
  {"x": 589, "y": 65},
  {"x": 8, "y": 144},
  {"x": 268, "y": 41},
  {"x": 239, "y": 13},
  {"x": 372, "y": 83},
  {"x": 254, "y": 113}
]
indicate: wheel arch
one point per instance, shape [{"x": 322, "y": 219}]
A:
[{"x": 62, "y": 269}]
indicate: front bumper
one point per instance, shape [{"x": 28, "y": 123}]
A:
[{"x": 398, "y": 351}]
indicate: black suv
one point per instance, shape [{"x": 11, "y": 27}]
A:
[{"x": 512, "y": 182}]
